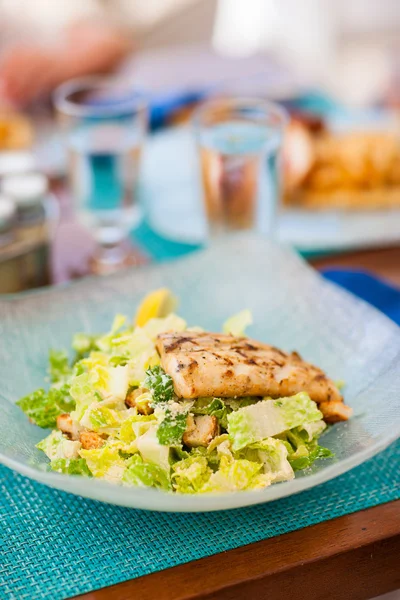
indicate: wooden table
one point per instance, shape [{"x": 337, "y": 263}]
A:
[{"x": 354, "y": 557}]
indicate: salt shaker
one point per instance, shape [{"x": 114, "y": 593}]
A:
[
  {"x": 8, "y": 212},
  {"x": 28, "y": 191}
]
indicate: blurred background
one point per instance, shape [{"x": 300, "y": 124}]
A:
[{"x": 100, "y": 174}]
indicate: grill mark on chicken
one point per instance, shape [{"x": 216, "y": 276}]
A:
[{"x": 208, "y": 364}]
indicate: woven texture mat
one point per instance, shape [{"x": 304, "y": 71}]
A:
[{"x": 55, "y": 545}]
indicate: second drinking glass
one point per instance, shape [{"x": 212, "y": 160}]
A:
[{"x": 239, "y": 142}]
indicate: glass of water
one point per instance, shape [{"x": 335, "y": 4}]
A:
[
  {"x": 239, "y": 142},
  {"x": 104, "y": 122}
]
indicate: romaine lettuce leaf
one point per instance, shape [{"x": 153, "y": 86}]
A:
[
  {"x": 43, "y": 407},
  {"x": 213, "y": 407},
  {"x": 56, "y": 446},
  {"x": 313, "y": 430},
  {"x": 84, "y": 395},
  {"x": 172, "y": 322},
  {"x": 100, "y": 418},
  {"x": 274, "y": 455},
  {"x": 160, "y": 384},
  {"x": 59, "y": 369},
  {"x": 83, "y": 343},
  {"x": 303, "y": 451},
  {"x": 105, "y": 342},
  {"x": 151, "y": 450},
  {"x": 236, "y": 475},
  {"x": 190, "y": 475},
  {"x": 71, "y": 466},
  {"x": 105, "y": 463},
  {"x": 135, "y": 426},
  {"x": 268, "y": 418},
  {"x": 299, "y": 461},
  {"x": 171, "y": 429},
  {"x": 118, "y": 383},
  {"x": 173, "y": 422},
  {"x": 143, "y": 474},
  {"x": 236, "y": 403}
]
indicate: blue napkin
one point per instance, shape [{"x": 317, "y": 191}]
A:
[
  {"x": 163, "y": 107},
  {"x": 380, "y": 294}
]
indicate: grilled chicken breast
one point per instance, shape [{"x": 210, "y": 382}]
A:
[{"x": 213, "y": 364}]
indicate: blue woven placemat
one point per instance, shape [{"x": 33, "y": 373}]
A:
[{"x": 55, "y": 545}]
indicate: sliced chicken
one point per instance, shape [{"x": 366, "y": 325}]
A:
[
  {"x": 68, "y": 426},
  {"x": 200, "y": 430},
  {"x": 335, "y": 411},
  {"x": 213, "y": 364}
]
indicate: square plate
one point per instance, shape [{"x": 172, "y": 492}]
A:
[{"x": 293, "y": 308}]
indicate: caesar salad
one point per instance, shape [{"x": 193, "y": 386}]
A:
[{"x": 156, "y": 403}]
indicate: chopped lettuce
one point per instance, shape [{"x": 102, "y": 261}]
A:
[
  {"x": 303, "y": 449},
  {"x": 151, "y": 450},
  {"x": 274, "y": 456},
  {"x": 190, "y": 475},
  {"x": 43, "y": 408},
  {"x": 135, "y": 426},
  {"x": 160, "y": 384},
  {"x": 59, "y": 369},
  {"x": 172, "y": 322},
  {"x": 83, "y": 393},
  {"x": 71, "y": 466},
  {"x": 57, "y": 446},
  {"x": 105, "y": 463},
  {"x": 236, "y": 475},
  {"x": 142, "y": 474},
  {"x": 213, "y": 407},
  {"x": 236, "y": 403},
  {"x": 314, "y": 429},
  {"x": 101, "y": 418},
  {"x": 142, "y": 355},
  {"x": 83, "y": 343},
  {"x": 171, "y": 429},
  {"x": 237, "y": 324},
  {"x": 299, "y": 461},
  {"x": 118, "y": 381},
  {"x": 269, "y": 418},
  {"x": 105, "y": 342}
]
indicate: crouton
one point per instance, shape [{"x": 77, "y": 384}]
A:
[
  {"x": 91, "y": 440},
  {"x": 143, "y": 407}
]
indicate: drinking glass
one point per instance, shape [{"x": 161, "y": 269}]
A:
[
  {"x": 239, "y": 141},
  {"x": 104, "y": 122}
]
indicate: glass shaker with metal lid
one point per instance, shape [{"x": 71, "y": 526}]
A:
[
  {"x": 8, "y": 213},
  {"x": 28, "y": 191},
  {"x": 24, "y": 256}
]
